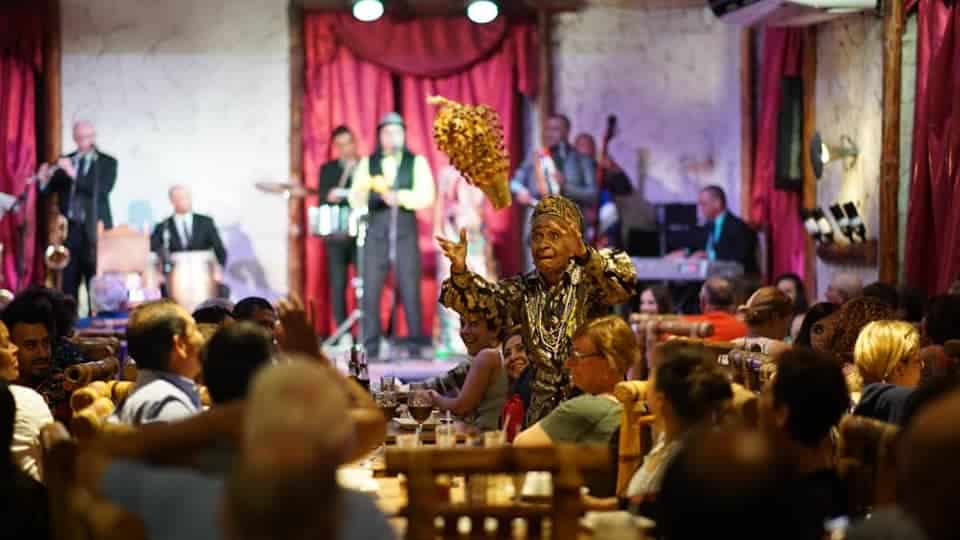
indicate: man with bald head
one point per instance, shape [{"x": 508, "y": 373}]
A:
[
  {"x": 83, "y": 182},
  {"x": 717, "y": 304},
  {"x": 186, "y": 230},
  {"x": 844, "y": 287}
]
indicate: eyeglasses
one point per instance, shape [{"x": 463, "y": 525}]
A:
[{"x": 578, "y": 356}]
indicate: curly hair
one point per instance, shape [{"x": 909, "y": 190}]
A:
[{"x": 842, "y": 327}]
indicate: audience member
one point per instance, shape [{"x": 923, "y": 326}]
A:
[
  {"x": 23, "y": 500},
  {"x": 837, "y": 333},
  {"x": 913, "y": 304},
  {"x": 163, "y": 339},
  {"x": 32, "y": 411},
  {"x": 292, "y": 434},
  {"x": 886, "y": 293},
  {"x": 215, "y": 315},
  {"x": 768, "y": 314},
  {"x": 809, "y": 330},
  {"x": 844, "y": 287},
  {"x": 887, "y": 360},
  {"x": 231, "y": 358},
  {"x": 726, "y": 484},
  {"x": 798, "y": 409},
  {"x": 519, "y": 375},
  {"x": 927, "y": 471},
  {"x": 480, "y": 399},
  {"x": 655, "y": 300},
  {"x": 31, "y": 325},
  {"x": 793, "y": 286},
  {"x": 603, "y": 350},
  {"x": 686, "y": 391},
  {"x": 259, "y": 311},
  {"x": 717, "y": 303}
]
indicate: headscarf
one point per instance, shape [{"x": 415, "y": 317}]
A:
[{"x": 560, "y": 207}]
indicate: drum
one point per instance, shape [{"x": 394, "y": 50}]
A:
[
  {"x": 332, "y": 221},
  {"x": 191, "y": 281}
]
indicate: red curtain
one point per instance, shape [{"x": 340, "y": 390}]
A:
[
  {"x": 349, "y": 81},
  {"x": 20, "y": 62},
  {"x": 933, "y": 221},
  {"x": 777, "y": 211}
]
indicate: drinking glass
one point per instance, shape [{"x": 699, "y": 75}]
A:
[
  {"x": 493, "y": 439},
  {"x": 388, "y": 382},
  {"x": 387, "y": 401},
  {"x": 446, "y": 435},
  {"x": 408, "y": 440}
]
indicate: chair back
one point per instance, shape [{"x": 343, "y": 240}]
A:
[
  {"x": 97, "y": 347},
  {"x": 75, "y": 513},
  {"x": 650, "y": 329},
  {"x": 567, "y": 463},
  {"x": 866, "y": 461},
  {"x": 750, "y": 369},
  {"x": 636, "y": 431}
]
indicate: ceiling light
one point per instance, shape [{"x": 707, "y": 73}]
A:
[
  {"x": 482, "y": 11},
  {"x": 367, "y": 10}
]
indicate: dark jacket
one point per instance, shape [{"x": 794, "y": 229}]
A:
[
  {"x": 204, "y": 236},
  {"x": 738, "y": 242},
  {"x": 330, "y": 175},
  {"x": 92, "y": 191},
  {"x": 885, "y": 402},
  {"x": 579, "y": 172}
]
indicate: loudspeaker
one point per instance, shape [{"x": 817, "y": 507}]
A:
[{"x": 789, "y": 173}]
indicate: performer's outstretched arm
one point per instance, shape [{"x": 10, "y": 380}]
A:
[
  {"x": 613, "y": 273},
  {"x": 467, "y": 292}
]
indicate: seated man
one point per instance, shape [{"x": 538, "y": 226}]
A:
[
  {"x": 231, "y": 358},
  {"x": 258, "y": 311},
  {"x": 163, "y": 339},
  {"x": 603, "y": 350},
  {"x": 717, "y": 303},
  {"x": 295, "y": 430},
  {"x": 798, "y": 409},
  {"x": 215, "y": 315},
  {"x": 31, "y": 325},
  {"x": 188, "y": 231}
]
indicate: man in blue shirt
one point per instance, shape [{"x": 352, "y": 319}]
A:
[{"x": 729, "y": 238}]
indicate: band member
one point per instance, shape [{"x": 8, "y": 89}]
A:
[
  {"x": 728, "y": 238},
  {"x": 189, "y": 231},
  {"x": 336, "y": 178},
  {"x": 83, "y": 182},
  {"x": 557, "y": 170},
  {"x": 571, "y": 284},
  {"x": 460, "y": 206},
  {"x": 390, "y": 186}
]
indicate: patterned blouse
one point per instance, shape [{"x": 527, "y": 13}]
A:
[{"x": 548, "y": 316}]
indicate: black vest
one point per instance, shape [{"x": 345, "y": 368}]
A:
[{"x": 379, "y": 216}]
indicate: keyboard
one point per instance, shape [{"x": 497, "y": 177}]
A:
[{"x": 662, "y": 269}]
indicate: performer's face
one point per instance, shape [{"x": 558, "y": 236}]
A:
[
  {"x": 345, "y": 146},
  {"x": 585, "y": 145},
  {"x": 550, "y": 245},
  {"x": 85, "y": 136},
  {"x": 557, "y": 131},
  {"x": 391, "y": 138},
  {"x": 181, "y": 200},
  {"x": 710, "y": 205}
]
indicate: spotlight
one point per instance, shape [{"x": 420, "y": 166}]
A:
[
  {"x": 482, "y": 11},
  {"x": 821, "y": 153},
  {"x": 367, "y": 10}
]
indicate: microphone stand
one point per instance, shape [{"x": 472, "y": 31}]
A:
[
  {"x": 357, "y": 314},
  {"x": 392, "y": 258}
]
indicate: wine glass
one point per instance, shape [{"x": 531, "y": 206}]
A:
[
  {"x": 387, "y": 401},
  {"x": 420, "y": 404}
]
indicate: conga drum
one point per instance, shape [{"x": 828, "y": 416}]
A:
[{"x": 191, "y": 281}]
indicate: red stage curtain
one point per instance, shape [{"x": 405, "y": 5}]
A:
[
  {"x": 20, "y": 61},
  {"x": 482, "y": 65},
  {"x": 424, "y": 46},
  {"x": 933, "y": 221},
  {"x": 339, "y": 89},
  {"x": 774, "y": 210}
]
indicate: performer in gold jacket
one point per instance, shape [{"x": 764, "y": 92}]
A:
[{"x": 571, "y": 283}]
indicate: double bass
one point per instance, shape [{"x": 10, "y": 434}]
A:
[{"x": 608, "y": 136}]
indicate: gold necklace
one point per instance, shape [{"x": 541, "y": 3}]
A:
[{"x": 552, "y": 339}]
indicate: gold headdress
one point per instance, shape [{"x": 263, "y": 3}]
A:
[
  {"x": 472, "y": 137},
  {"x": 560, "y": 207}
]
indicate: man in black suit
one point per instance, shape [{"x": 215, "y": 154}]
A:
[
  {"x": 336, "y": 178},
  {"x": 83, "y": 182},
  {"x": 187, "y": 231},
  {"x": 729, "y": 238}
]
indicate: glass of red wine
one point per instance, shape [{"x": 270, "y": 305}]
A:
[
  {"x": 420, "y": 404},
  {"x": 387, "y": 401}
]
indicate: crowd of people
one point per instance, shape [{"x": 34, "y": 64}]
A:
[{"x": 545, "y": 356}]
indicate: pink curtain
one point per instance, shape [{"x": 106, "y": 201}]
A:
[
  {"x": 349, "y": 81},
  {"x": 776, "y": 211},
  {"x": 20, "y": 62},
  {"x": 339, "y": 89},
  {"x": 933, "y": 221}
]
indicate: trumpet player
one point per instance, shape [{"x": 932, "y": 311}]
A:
[{"x": 83, "y": 180}]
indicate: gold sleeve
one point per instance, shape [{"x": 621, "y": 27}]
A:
[
  {"x": 468, "y": 292},
  {"x": 613, "y": 275}
]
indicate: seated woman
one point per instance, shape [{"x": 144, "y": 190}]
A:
[
  {"x": 793, "y": 286},
  {"x": 484, "y": 391},
  {"x": 32, "y": 412},
  {"x": 655, "y": 300},
  {"x": 685, "y": 392},
  {"x": 887, "y": 359},
  {"x": 517, "y": 364},
  {"x": 768, "y": 313},
  {"x": 809, "y": 329}
]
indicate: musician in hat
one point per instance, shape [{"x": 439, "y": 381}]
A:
[
  {"x": 571, "y": 283},
  {"x": 390, "y": 186}
]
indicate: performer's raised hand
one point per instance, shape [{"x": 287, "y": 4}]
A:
[
  {"x": 456, "y": 252},
  {"x": 574, "y": 240}
]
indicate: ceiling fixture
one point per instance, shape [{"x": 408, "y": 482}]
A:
[
  {"x": 367, "y": 10},
  {"x": 821, "y": 153},
  {"x": 482, "y": 11}
]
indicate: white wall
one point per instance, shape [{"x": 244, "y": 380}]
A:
[
  {"x": 193, "y": 92},
  {"x": 849, "y": 102},
  {"x": 671, "y": 76}
]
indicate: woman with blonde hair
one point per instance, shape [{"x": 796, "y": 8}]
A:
[{"x": 887, "y": 359}]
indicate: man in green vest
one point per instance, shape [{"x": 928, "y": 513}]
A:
[{"x": 390, "y": 186}]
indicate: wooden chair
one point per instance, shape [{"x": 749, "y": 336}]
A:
[
  {"x": 93, "y": 404},
  {"x": 636, "y": 431},
  {"x": 750, "y": 369},
  {"x": 650, "y": 329},
  {"x": 568, "y": 463},
  {"x": 97, "y": 347},
  {"x": 75, "y": 513},
  {"x": 105, "y": 369},
  {"x": 866, "y": 461}
]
